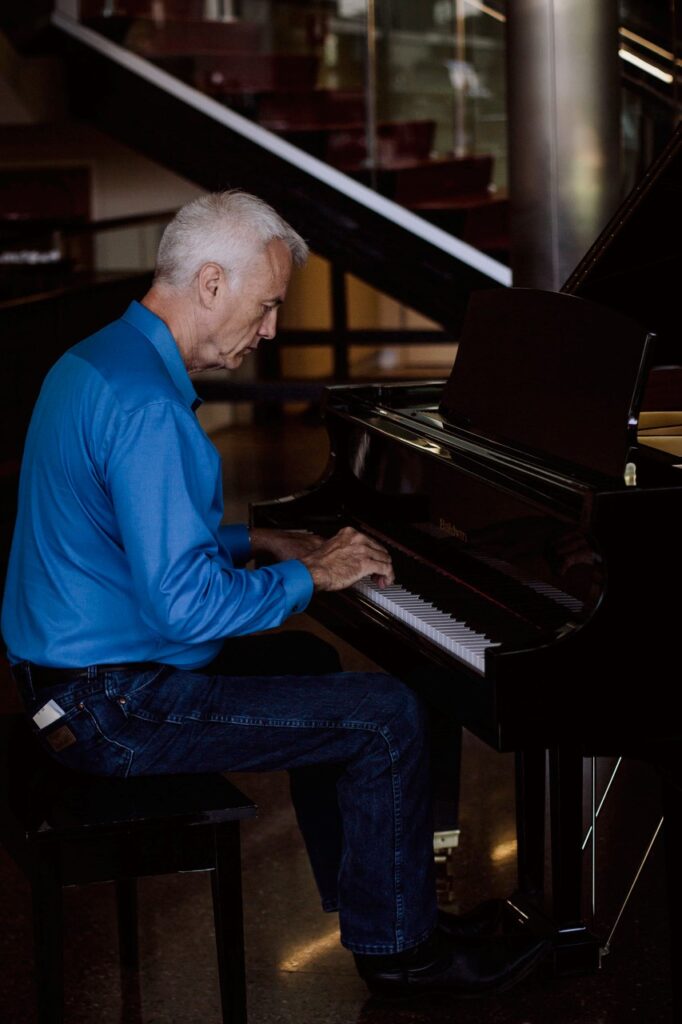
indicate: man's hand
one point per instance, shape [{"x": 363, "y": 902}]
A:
[
  {"x": 347, "y": 558},
  {"x": 281, "y": 545}
]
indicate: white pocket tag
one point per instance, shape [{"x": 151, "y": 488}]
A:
[{"x": 49, "y": 713}]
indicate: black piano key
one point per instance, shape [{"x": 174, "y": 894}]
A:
[
  {"x": 459, "y": 601},
  {"x": 492, "y": 583}
]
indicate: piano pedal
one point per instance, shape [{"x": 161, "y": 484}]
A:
[{"x": 444, "y": 846}]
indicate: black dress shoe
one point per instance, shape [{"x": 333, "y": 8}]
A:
[
  {"x": 439, "y": 965},
  {"x": 485, "y": 919}
]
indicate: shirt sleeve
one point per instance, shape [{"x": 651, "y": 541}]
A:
[
  {"x": 162, "y": 475},
  {"x": 235, "y": 543}
]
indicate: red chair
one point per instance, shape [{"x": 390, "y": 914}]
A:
[
  {"x": 159, "y": 10},
  {"x": 243, "y": 74},
  {"x": 486, "y": 226},
  {"x": 433, "y": 183},
  {"x": 282, "y": 111},
  {"x": 180, "y": 38},
  {"x": 397, "y": 142}
]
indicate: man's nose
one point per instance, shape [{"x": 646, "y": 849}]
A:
[{"x": 268, "y": 325}]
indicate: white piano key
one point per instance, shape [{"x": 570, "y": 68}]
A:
[{"x": 452, "y": 635}]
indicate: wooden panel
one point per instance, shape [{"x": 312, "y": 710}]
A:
[{"x": 45, "y": 192}]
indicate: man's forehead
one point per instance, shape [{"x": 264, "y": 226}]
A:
[
  {"x": 267, "y": 271},
  {"x": 275, "y": 263},
  {"x": 278, "y": 253}
]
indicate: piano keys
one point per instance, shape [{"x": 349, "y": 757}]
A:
[{"x": 452, "y": 634}]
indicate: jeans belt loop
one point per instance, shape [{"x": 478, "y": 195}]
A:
[{"x": 25, "y": 670}]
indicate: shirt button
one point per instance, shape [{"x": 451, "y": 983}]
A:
[{"x": 121, "y": 700}]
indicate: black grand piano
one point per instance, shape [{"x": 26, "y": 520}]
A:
[{"x": 532, "y": 504}]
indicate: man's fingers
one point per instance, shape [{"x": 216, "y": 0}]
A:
[
  {"x": 349, "y": 534},
  {"x": 354, "y": 537},
  {"x": 378, "y": 559},
  {"x": 379, "y": 548},
  {"x": 382, "y": 570}
]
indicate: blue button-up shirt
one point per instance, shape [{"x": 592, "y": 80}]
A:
[{"x": 118, "y": 552}]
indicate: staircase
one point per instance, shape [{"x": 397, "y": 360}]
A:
[{"x": 183, "y": 120}]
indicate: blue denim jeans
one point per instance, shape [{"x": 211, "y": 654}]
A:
[{"x": 354, "y": 743}]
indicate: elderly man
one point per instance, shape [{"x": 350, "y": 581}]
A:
[{"x": 128, "y": 607}]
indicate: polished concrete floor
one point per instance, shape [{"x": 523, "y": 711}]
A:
[{"x": 297, "y": 971}]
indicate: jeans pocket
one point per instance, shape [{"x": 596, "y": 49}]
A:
[
  {"x": 129, "y": 690},
  {"x": 88, "y": 739}
]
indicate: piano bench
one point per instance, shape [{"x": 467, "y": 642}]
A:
[{"x": 64, "y": 828}]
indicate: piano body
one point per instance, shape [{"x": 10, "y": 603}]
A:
[{"x": 533, "y": 507}]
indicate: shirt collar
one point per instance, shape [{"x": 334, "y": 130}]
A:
[{"x": 156, "y": 331}]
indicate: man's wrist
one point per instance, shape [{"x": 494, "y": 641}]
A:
[{"x": 318, "y": 573}]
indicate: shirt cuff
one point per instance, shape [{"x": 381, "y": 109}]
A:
[
  {"x": 298, "y": 584},
  {"x": 236, "y": 539}
]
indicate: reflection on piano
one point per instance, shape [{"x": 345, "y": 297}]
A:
[{"x": 529, "y": 524}]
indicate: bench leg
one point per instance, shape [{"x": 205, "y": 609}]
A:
[
  {"x": 48, "y": 934},
  {"x": 226, "y": 881},
  {"x": 128, "y": 950},
  {"x": 126, "y": 913}
]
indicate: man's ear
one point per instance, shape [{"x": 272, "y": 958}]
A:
[{"x": 211, "y": 280}]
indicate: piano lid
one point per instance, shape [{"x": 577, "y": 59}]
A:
[
  {"x": 635, "y": 265},
  {"x": 551, "y": 374},
  {"x": 563, "y": 379}
]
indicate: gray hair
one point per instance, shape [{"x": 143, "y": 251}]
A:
[{"x": 228, "y": 228}]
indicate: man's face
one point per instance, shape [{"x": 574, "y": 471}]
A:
[{"x": 244, "y": 310}]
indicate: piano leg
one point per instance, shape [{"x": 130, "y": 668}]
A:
[
  {"x": 530, "y": 821},
  {"x": 576, "y": 949},
  {"x": 672, "y": 833},
  {"x": 566, "y": 801}
]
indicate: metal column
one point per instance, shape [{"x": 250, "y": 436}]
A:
[{"x": 564, "y": 132}]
